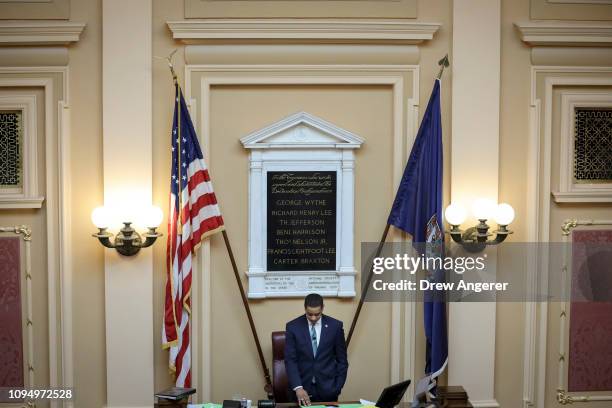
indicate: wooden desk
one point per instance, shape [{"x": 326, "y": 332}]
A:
[
  {"x": 295, "y": 404},
  {"x": 172, "y": 404},
  {"x": 449, "y": 397}
]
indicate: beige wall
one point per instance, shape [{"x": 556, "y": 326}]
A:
[
  {"x": 515, "y": 88},
  {"x": 45, "y": 10},
  {"x": 302, "y": 8},
  {"x": 236, "y": 111},
  {"x": 87, "y": 193}
]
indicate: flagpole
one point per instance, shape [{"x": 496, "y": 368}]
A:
[
  {"x": 245, "y": 303},
  {"x": 367, "y": 284},
  {"x": 177, "y": 86},
  {"x": 443, "y": 63},
  {"x": 179, "y": 157}
]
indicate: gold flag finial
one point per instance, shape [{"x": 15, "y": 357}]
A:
[{"x": 443, "y": 63}]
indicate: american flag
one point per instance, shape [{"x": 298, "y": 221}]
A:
[{"x": 199, "y": 216}]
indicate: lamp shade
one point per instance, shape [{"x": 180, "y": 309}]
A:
[
  {"x": 154, "y": 217},
  {"x": 483, "y": 208},
  {"x": 504, "y": 214},
  {"x": 455, "y": 214},
  {"x": 100, "y": 217}
]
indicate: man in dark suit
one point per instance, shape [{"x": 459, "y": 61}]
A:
[{"x": 315, "y": 354}]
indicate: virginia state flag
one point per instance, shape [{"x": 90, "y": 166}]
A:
[{"x": 417, "y": 210}]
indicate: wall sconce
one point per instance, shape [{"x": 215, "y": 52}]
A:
[
  {"x": 476, "y": 238},
  {"x": 127, "y": 242}
]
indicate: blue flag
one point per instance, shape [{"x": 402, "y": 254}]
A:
[{"x": 417, "y": 210}]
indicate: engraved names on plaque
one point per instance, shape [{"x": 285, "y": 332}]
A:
[{"x": 301, "y": 217}]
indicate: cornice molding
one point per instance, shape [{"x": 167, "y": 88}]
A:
[
  {"x": 40, "y": 32},
  {"x": 604, "y": 196},
  {"x": 302, "y": 30},
  {"x": 7, "y": 203},
  {"x": 556, "y": 33}
]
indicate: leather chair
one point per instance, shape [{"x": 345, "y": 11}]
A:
[{"x": 280, "y": 382}]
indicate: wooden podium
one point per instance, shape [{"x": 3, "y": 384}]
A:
[
  {"x": 453, "y": 396},
  {"x": 162, "y": 403},
  {"x": 175, "y": 397}
]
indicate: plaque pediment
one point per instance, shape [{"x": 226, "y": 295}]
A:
[{"x": 302, "y": 130}]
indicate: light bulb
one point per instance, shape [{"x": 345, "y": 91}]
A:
[
  {"x": 100, "y": 217},
  {"x": 504, "y": 214},
  {"x": 483, "y": 208},
  {"x": 154, "y": 217},
  {"x": 455, "y": 214}
]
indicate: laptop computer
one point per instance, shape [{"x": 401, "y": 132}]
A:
[{"x": 392, "y": 395}]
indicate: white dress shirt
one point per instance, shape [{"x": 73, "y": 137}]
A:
[{"x": 317, "y": 327}]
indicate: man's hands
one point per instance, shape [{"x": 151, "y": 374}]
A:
[{"x": 302, "y": 396}]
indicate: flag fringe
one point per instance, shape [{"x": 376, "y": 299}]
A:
[
  {"x": 169, "y": 344},
  {"x": 206, "y": 235}
]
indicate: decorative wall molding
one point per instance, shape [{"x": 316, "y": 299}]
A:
[
  {"x": 20, "y": 203},
  {"x": 301, "y": 142},
  {"x": 541, "y": 33},
  {"x": 339, "y": 138},
  {"x": 402, "y": 342},
  {"x": 313, "y": 30},
  {"x": 25, "y": 233},
  {"x": 54, "y": 81},
  {"x": 40, "y": 32},
  {"x": 582, "y": 196},
  {"x": 538, "y": 213},
  {"x": 580, "y": 1},
  {"x": 552, "y": 56},
  {"x": 563, "y": 396},
  {"x": 26, "y": 196},
  {"x": 570, "y": 191}
]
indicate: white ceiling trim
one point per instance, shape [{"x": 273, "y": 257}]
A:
[
  {"x": 538, "y": 33},
  {"x": 329, "y": 30},
  {"x": 39, "y": 32}
]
